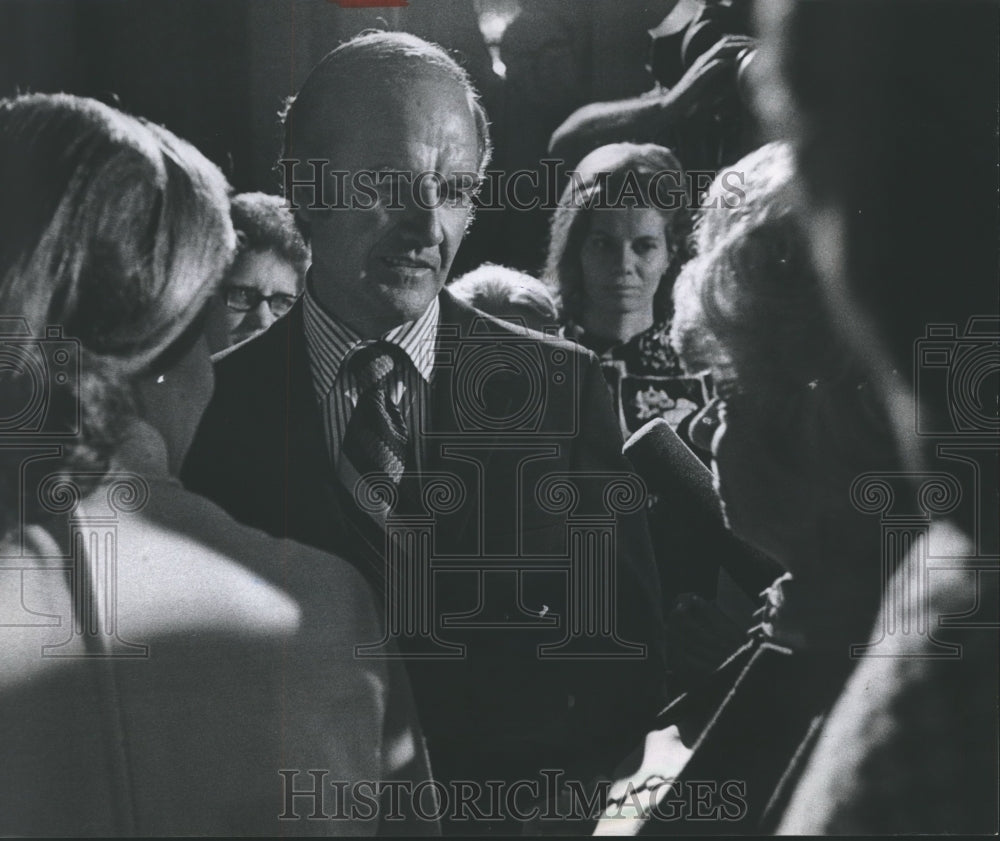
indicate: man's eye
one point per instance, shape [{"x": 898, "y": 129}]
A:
[
  {"x": 389, "y": 186},
  {"x": 280, "y": 304},
  {"x": 461, "y": 192},
  {"x": 238, "y": 295},
  {"x": 645, "y": 246}
]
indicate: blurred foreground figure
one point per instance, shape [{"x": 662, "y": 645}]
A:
[
  {"x": 160, "y": 664},
  {"x": 892, "y": 107},
  {"x": 792, "y": 423},
  {"x": 266, "y": 276}
]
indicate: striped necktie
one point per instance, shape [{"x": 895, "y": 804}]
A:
[{"x": 376, "y": 440}]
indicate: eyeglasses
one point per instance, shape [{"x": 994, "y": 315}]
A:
[{"x": 246, "y": 298}]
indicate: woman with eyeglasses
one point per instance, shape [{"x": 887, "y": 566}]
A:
[
  {"x": 791, "y": 427},
  {"x": 164, "y": 670},
  {"x": 267, "y": 275}
]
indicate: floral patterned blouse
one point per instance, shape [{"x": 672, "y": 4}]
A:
[{"x": 646, "y": 377}]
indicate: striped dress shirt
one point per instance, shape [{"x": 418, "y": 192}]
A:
[{"x": 330, "y": 343}]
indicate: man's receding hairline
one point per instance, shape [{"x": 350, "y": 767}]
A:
[
  {"x": 388, "y": 83},
  {"x": 348, "y": 94}
]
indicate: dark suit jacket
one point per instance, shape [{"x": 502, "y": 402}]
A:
[{"x": 508, "y": 408}]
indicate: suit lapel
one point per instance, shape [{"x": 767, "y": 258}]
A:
[
  {"x": 313, "y": 508},
  {"x": 458, "y": 323},
  {"x": 315, "y": 505}
]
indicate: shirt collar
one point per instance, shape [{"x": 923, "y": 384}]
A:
[{"x": 330, "y": 341}]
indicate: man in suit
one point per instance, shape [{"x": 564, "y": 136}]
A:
[{"x": 470, "y": 468}]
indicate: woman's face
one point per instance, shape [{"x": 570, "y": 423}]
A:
[
  {"x": 260, "y": 287},
  {"x": 623, "y": 259}
]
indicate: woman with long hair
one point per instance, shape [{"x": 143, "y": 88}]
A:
[
  {"x": 618, "y": 239},
  {"x": 161, "y": 666}
]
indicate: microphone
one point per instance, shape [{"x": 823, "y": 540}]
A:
[
  {"x": 670, "y": 469},
  {"x": 689, "y": 532}
]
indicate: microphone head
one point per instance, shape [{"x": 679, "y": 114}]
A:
[
  {"x": 690, "y": 536},
  {"x": 668, "y": 466}
]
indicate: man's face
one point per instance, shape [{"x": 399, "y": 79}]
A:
[{"x": 381, "y": 264}]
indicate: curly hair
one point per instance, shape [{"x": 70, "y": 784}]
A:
[
  {"x": 750, "y": 309},
  {"x": 498, "y": 290},
  {"x": 115, "y": 233},
  {"x": 749, "y": 306},
  {"x": 263, "y": 222},
  {"x": 602, "y": 179}
]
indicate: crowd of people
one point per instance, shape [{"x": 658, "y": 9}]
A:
[{"x": 301, "y": 535}]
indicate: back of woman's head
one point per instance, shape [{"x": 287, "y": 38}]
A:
[
  {"x": 114, "y": 231},
  {"x": 756, "y": 188},
  {"x": 113, "y": 228},
  {"x": 618, "y": 175},
  {"x": 750, "y": 308},
  {"x": 749, "y": 304}
]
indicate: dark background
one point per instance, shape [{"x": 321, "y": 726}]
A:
[{"x": 217, "y": 72}]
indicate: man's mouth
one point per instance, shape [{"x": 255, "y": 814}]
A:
[
  {"x": 627, "y": 288},
  {"x": 408, "y": 263}
]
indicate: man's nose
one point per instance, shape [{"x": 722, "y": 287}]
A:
[
  {"x": 425, "y": 220},
  {"x": 260, "y": 316}
]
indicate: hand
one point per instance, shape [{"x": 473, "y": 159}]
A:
[
  {"x": 695, "y": 85},
  {"x": 664, "y": 756},
  {"x": 644, "y": 118}
]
